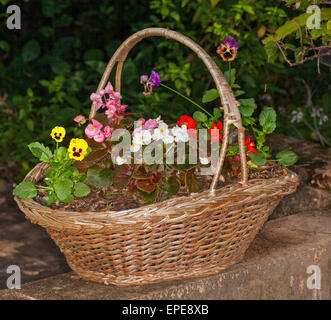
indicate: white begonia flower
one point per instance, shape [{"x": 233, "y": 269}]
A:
[
  {"x": 180, "y": 133},
  {"x": 135, "y": 146},
  {"x": 119, "y": 160},
  {"x": 204, "y": 160},
  {"x": 160, "y": 132},
  {"x": 168, "y": 139},
  {"x": 143, "y": 137}
]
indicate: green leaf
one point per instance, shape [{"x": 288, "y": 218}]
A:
[
  {"x": 4, "y": 46},
  {"x": 60, "y": 66},
  {"x": 40, "y": 151},
  {"x": 258, "y": 158},
  {"x": 247, "y": 106},
  {"x": 93, "y": 55},
  {"x": 63, "y": 188},
  {"x": 267, "y": 120},
  {"x": 147, "y": 197},
  {"x": 199, "y": 116},
  {"x": 173, "y": 185},
  {"x": 98, "y": 66},
  {"x": 217, "y": 113},
  {"x": 30, "y": 51},
  {"x": 233, "y": 76},
  {"x": 25, "y": 189},
  {"x": 287, "y": 158},
  {"x": 193, "y": 183},
  {"x": 81, "y": 189},
  {"x": 210, "y": 95},
  {"x": 61, "y": 154},
  {"x": 100, "y": 177}
]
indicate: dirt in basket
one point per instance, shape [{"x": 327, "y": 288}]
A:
[{"x": 106, "y": 200}]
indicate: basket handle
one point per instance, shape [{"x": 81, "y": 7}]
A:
[{"x": 228, "y": 101}]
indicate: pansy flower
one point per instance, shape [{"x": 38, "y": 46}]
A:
[
  {"x": 250, "y": 145},
  {"x": 77, "y": 149},
  {"x": 154, "y": 80},
  {"x": 228, "y": 49},
  {"x": 58, "y": 133}
]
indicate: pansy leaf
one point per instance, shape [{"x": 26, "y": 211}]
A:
[
  {"x": 81, "y": 189},
  {"x": 63, "y": 188},
  {"x": 40, "y": 151},
  {"x": 25, "y": 189}
]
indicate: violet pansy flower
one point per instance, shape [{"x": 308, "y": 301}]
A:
[{"x": 228, "y": 49}]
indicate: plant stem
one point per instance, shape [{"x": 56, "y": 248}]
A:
[
  {"x": 230, "y": 73},
  {"x": 188, "y": 99}
]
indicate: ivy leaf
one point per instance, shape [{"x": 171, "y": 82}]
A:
[
  {"x": 81, "y": 189},
  {"x": 267, "y": 120},
  {"x": 210, "y": 95},
  {"x": 258, "y": 158},
  {"x": 287, "y": 158},
  {"x": 199, "y": 116},
  {"x": 25, "y": 189},
  {"x": 63, "y": 188},
  {"x": 40, "y": 151}
]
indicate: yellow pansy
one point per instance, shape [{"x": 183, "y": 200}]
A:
[
  {"x": 77, "y": 149},
  {"x": 58, "y": 133}
]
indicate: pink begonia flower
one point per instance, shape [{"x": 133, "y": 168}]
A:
[
  {"x": 93, "y": 128},
  {"x": 109, "y": 88},
  {"x": 99, "y": 137},
  {"x": 80, "y": 119},
  {"x": 112, "y": 94},
  {"x": 141, "y": 121},
  {"x": 107, "y": 131},
  {"x": 150, "y": 124},
  {"x": 94, "y": 97},
  {"x": 110, "y": 112}
]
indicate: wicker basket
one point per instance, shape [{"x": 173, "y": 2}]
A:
[{"x": 185, "y": 237}]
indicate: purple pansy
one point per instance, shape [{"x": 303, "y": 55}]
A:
[
  {"x": 228, "y": 49},
  {"x": 154, "y": 80}
]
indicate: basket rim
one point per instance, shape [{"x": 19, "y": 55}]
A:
[{"x": 167, "y": 211}]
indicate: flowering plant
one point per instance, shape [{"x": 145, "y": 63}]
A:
[
  {"x": 149, "y": 159},
  {"x": 62, "y": 180}
]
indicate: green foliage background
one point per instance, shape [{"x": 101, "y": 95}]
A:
[{"x": 50, "y": 66}]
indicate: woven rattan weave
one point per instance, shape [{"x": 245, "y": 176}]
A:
[{"x": 184, "y": 237}]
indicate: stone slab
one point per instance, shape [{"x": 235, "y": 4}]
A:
[{"x": 274, "y": 267}]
